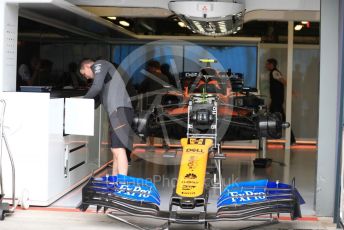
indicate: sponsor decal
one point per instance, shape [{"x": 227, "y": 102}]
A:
[
  {"x": 189, "y": 182},
  {"x": 188, "y": 193},
  {"x": 97, "y": 68},
  {"x": 194, "y": 150},
  {"x": 188, "y": 187},
  {"x": 191, "y": 74},
  {"x": 190, "y": 176},
  {"x": 132, "y": 188},
  {"x": 135, "y": 191},
  {"x": 196, "y": 141},
  {"x": 244, "y": 196},
  {"x": 192, "y": 163}
]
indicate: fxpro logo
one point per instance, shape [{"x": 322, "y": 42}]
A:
[
  {"x": 194, "y": 150},
  {"x": 135, "y": 191},
  {"x": 246, "y": 196}
]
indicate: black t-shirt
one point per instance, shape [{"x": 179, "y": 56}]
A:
[{"x": 276, "y": 89}]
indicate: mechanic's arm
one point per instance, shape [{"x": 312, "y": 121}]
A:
[
  {"x": 97, "y": 101},
  {"x": 278, "y": 76},
  {"x": 98, "y": 81}
]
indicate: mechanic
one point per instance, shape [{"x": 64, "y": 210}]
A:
[
  {"x": 29, "y": 72},
  {"x": 277, "y": 83},
  {"x": 152, "y": 88},
  {"x": 155, "y": 79},
  {"x": 110, "y": 86}
]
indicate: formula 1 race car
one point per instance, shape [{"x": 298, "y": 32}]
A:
[
  {"x": 206, "y": 114},
  {"x": 239, "y": 111}
]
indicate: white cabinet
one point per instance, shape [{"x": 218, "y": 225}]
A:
[
  {"x": 48, "y": 161},
  {"x": 79, "y": 116}
]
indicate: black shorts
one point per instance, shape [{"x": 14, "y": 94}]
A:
[{"x": 121, "y": 132}]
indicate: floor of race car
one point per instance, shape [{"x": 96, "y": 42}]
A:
[{"x": 162, "y": 167}]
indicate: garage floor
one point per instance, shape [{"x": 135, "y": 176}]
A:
[{"x": 162, "y": 167}]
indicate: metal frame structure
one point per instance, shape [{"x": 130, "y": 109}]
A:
[{"x": 5, "y": 207}]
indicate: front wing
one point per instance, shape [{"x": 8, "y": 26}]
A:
[{"x": 238, "y": 201}]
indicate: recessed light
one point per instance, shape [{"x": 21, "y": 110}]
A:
[
  {"x": 298, "y": 27},
  {"x": 112, "y": 18},
  {"x": 181, "y": 24},
  {"x": 124, "y": 23},
  {"x": 304, "y": 22}
]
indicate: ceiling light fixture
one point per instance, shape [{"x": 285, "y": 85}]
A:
[
  {"x": 112, "y": 18},
  {"x": 124, "y": 23},
  {"x": 306, "y": 23},
  {"x": 181, "y": 24},
  {"x": 298, "y": 27},
  {"x": 208, "y": 17}
]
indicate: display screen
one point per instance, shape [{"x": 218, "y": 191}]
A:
[
  {"x": 185, "y": 58},
  {"x": 239, "y": 59}
]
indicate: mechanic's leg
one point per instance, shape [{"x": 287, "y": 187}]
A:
[
  {"x": 115, "y": 163},
  {"x": 151, "y": 141},
  {"x": 122, "y": 160}
]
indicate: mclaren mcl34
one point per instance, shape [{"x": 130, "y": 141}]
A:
[
  {"x": 218, "y": 96},
  {"x": 205, "y": 114}
]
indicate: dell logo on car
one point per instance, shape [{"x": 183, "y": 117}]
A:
[
  {"x": 194, "y": 151},
  {"x": 191, "y": 74}
]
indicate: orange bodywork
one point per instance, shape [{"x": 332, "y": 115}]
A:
[{"x": 226, "y": 99}]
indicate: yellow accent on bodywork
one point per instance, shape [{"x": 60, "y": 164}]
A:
[
  {"x": 193, "y": 167},
  {"x": 204, "y": 60}
]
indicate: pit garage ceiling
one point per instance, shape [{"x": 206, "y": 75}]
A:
[
  {"x": 255, "y": 10},
  {"x": 87, "y": 18}
]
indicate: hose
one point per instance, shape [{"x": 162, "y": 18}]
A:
[{"x": 3, "y": 136}]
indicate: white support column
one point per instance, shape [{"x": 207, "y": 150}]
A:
[
  {"x": 8, "y": 45},
  {"x": 289, "y": 87},
  {"x": 2, "y": 43},
  {"x": 328, "y": 108}
]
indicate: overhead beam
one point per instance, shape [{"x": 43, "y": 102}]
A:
[
  {"x": 280, "y": 15},
  {"x": 283, "y": 5},
  {"x": 121, "y": 3},
  {"x": 58, "y": 24},
  {"x": 104, "y": 11}
]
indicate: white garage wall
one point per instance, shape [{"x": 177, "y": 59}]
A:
[{"x": 306, "y": 72}]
